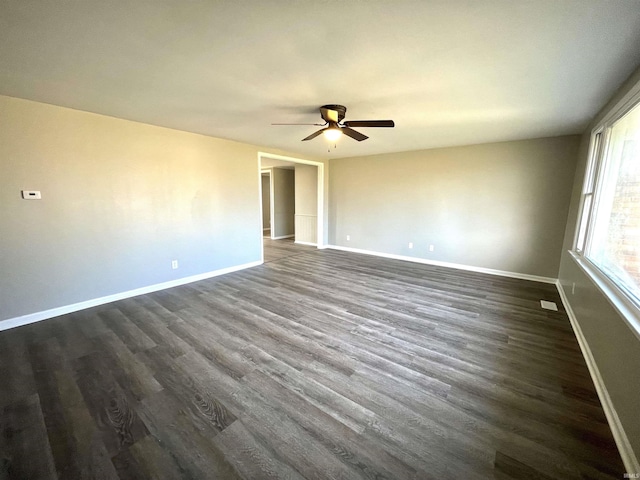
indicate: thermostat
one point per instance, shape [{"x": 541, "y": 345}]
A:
[{"x": 31, "y": 194}]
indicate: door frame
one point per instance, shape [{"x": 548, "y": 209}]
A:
[
  {"x": 269, "y": 172},
  {"x": 321, "y": 196}
]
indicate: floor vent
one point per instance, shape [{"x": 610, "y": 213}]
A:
[{"x": 549, "y": 305}]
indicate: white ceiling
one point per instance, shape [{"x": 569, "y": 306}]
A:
[{"x": 449, "y": 72}]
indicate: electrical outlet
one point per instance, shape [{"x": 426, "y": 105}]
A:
[
  {"x": 174, "y": 264},
  {"x": 431, "y": 248},
  {"x": 348, "y": 237},
  {"x": 410, "y": 244}
]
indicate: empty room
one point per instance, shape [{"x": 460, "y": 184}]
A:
[{"x": 320, "y": 239}]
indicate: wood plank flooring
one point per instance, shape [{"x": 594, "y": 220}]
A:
[
  {"x": 318, "y": 364},
  {"x": 283, "y": 248}
]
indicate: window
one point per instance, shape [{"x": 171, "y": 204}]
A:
[
  {"x": 608, "y": 234},
  {"x": 587, "y": 193}
]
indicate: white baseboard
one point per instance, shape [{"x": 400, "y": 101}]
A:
[
  {"x": 490, "y": 271},
  {"x": 311, "y": 244},
  {"x": 622, "y": 441},
  {"x": 282, "y": 236},
  {"x": 55, "y": 312}
]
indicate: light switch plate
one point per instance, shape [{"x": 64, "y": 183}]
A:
[{"x": 31, "y": 194}]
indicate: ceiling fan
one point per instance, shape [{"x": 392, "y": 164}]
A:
[{"x": 333, "y": 116}]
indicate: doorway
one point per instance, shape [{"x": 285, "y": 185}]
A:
[{"x": 284, "y": 180}]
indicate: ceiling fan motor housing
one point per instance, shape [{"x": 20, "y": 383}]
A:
[{"x": 341, "y": 109}]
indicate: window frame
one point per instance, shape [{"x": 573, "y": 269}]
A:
[
  {"x": 627, "y": 307},
  {"x": 584, "y": 230}
]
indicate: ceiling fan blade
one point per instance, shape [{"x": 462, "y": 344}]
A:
[
  {"x": 328, "y": 114},
  {"x": 316, "y": 124},
  {"x": 353, "y": 134},
  {"x": 370, "y": 123},
  {"x": 314, "y": 134}
]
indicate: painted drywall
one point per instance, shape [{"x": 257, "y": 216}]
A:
[
  {"x": 266, "y": 201},
  {"x": 283, "y": 202},
  {"x": 120, "y": 201},
  {"x": 306, "y": 203},
  {"x": 306, "y": 189},
  {"x": 500, "y": 206},
  {"x": 615, "y": 348}
]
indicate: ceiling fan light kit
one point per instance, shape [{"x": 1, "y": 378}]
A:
[
  {"x": 333, "y": 116},
  {"x": 332, "y": 133}
]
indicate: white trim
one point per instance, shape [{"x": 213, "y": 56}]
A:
[
  {"x": 622, "y": 440},
  {"x": 55, "y": 312},
  {"x": 490, "y": 271},
  {"x": 621, "y": 107},
  {"x": 272, "y": 204},
  {"x": 283, "y": 236},
  {"x": 306, "y": 243}
]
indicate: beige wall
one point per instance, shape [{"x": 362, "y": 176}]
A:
[
  {"x": 500, "y": 206},
  {"x": 306, "y": 189},
  {"x": 282, "y": 222},
  {"x": 120, "y": 201},
  {"x": 306, "y": 193},
  {"x": 615, "y": 348}
]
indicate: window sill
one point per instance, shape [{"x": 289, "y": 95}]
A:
[{"x": 620, "y": 302}]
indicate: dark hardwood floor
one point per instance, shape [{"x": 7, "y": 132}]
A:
[{"x": 319, "y": 364}]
